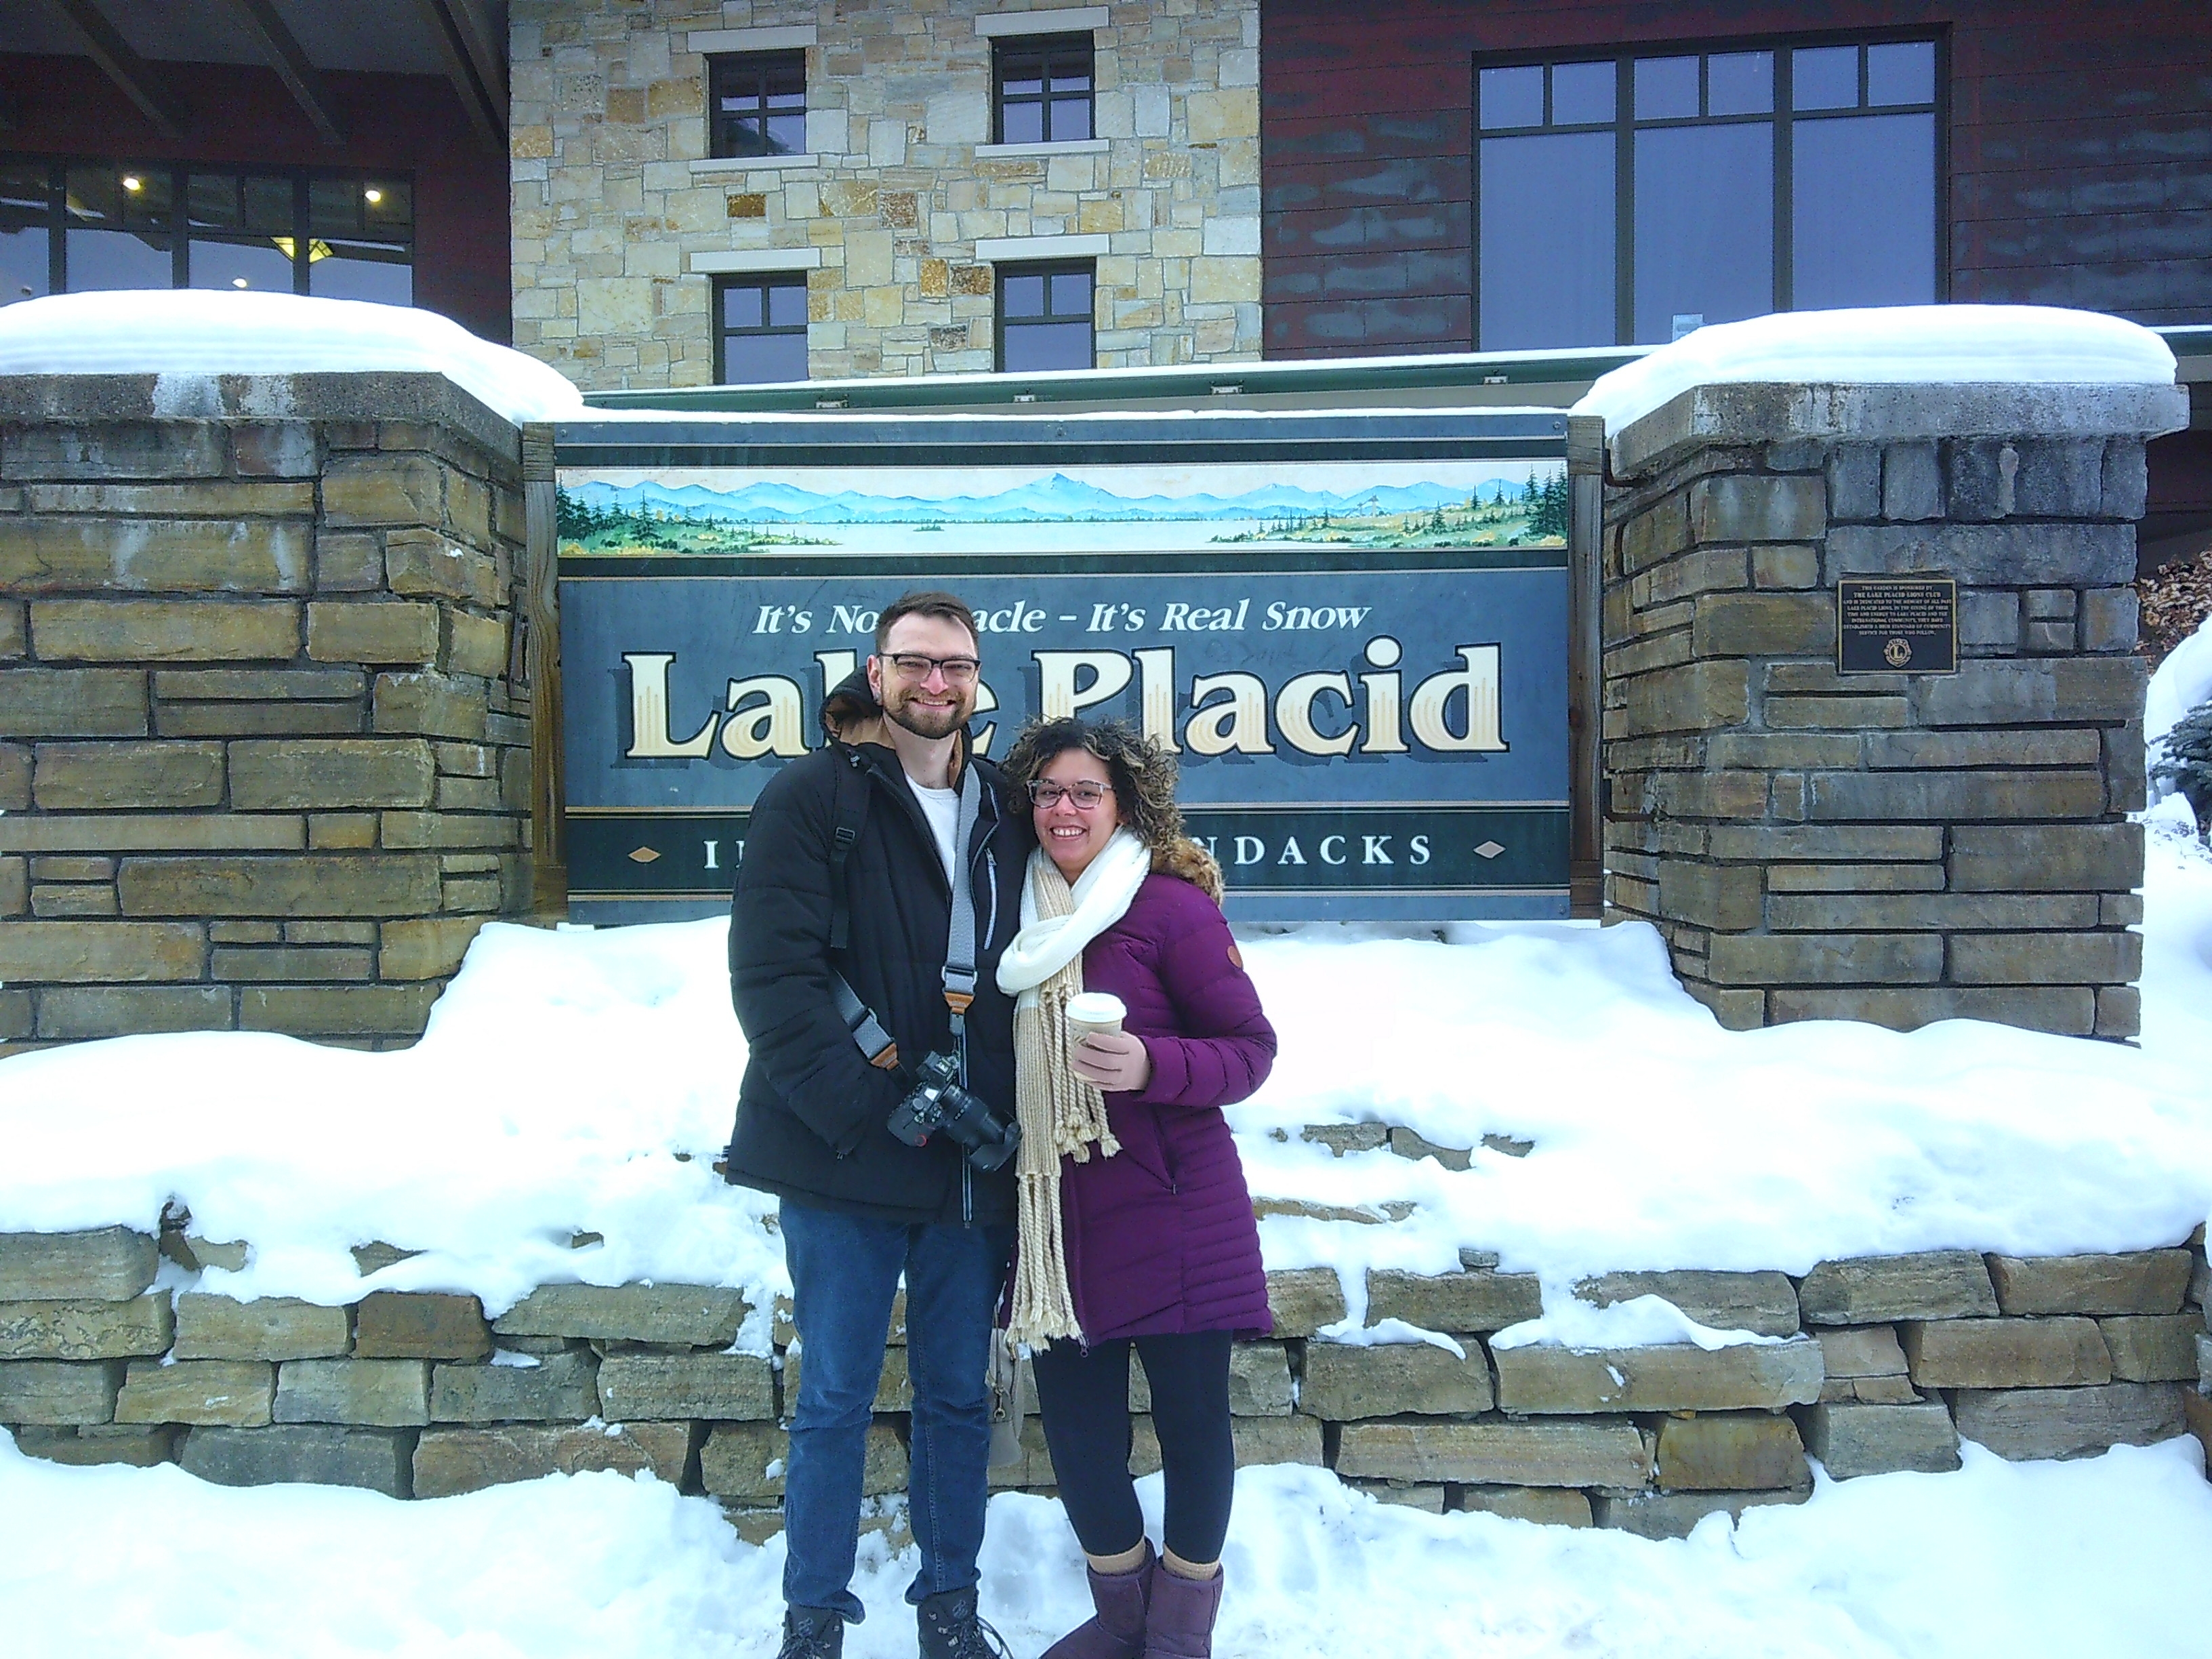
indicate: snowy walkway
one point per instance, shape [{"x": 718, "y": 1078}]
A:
[{"x": 2010, "y": 1561}]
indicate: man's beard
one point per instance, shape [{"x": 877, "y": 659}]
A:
[{"x": 930, "y": 723}]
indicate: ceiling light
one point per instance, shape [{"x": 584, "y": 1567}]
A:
[
  {"x": 372, "y": 196},
  {"x": 131, "y": 181},
  {"x": 238, "y": 282}
]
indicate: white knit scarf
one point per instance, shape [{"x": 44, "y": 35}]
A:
[{"x": 1060, "y": 1113}]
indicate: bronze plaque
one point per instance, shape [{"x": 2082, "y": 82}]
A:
[{"x": 1897, "y": 625}]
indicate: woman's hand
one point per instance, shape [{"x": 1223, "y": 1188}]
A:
[{"x": 1117, "y": 1062}]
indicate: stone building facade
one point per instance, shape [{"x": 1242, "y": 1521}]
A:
[{"x": 900, "y": 208}]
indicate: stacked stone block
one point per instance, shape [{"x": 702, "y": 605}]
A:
[
  {"x": 263, "y": 738},
  {"x": 1898, "y": 848},
  {"x": 1883, "y": 1364},
  {"x": 616, "y": 197}
]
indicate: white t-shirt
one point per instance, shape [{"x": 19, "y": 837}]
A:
[{"x": 942, "y": 808}]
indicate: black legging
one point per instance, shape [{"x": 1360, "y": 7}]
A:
[{"x": 1083, "y": 1400}]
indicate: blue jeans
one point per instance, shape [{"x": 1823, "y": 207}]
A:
[{"x": 844, "y": 1272}]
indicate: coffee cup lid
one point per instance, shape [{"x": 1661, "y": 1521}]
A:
[{"x": 1096, "y": 1007}]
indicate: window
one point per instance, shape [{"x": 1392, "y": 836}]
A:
[
  {"x": 239, "y": 231},
  {"x": 756, "y": 104},
  {"x": 27, "y": 212},
  {"x": 1632, "y": 199},
  {"x": 360, "y": 240},
  {"x": 1041, "y": 89},
  {"x": 74, "y": 226},
  {"x": 1044, "y": 318},
  {"x": 760, "y": 332},
  {"x": 118, "y": 230}
]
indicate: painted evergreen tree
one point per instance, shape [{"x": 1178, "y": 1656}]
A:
[{"x": 1547, "y": 517}]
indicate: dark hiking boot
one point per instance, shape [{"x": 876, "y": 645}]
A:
[
  {"x": 812, "y": 1633},
  {"x": 949, "y": 1628},
  {"x": 1118, "y": 1632},
  {"x": 1179, "y": 1623}
]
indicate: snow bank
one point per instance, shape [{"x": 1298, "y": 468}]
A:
[
  {"x": 2183, "y": 682},
  {"x": 1661, "y": 1141},
  {"x": 187, "y": 331},
  {"x": 565, "y": 1081},
  {"x": 2030, "y": 1561},
  {"x": 582, "y": 1082},
  {"x": 1889, "y": 345}
]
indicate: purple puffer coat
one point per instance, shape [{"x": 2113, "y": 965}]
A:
[{"x": 1160, "y": 1238}]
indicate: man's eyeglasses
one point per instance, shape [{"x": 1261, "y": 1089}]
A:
[
  {"x": 1085, "y": 795},
  {"x": 957, "y": 671}
]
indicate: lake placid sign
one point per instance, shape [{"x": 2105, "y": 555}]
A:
[{"x": 1361, "y": 667}]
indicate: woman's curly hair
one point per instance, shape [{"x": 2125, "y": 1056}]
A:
[
  {"x": 1144, "y": 778},
  {"x": 1142, "y": 773}
]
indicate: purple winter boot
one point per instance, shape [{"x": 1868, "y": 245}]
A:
[
  {"x": 1179, "y": 1623},
  {"x": 1118, "y": 1632}
]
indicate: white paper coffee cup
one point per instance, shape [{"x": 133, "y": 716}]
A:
[{"x": 1094, "y": 1011}]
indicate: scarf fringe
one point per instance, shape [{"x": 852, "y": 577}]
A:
[{"x": 1061, "y": 1115}]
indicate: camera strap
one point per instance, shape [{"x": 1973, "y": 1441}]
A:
[
  {"x": 960, "y": 975},
  {"x": 960, "y": 936}
]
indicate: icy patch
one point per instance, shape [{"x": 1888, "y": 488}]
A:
[
  {"x": 1889, "y": 345},
  {"x": 182, "y": 335},
  {"x": 1640, "y": 1321},
  {"x": 1386, "y": 1333}
]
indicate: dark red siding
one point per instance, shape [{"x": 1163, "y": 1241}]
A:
[
  {"x": 2080, "y": 138},
  {"x": 403, "y": 124}
]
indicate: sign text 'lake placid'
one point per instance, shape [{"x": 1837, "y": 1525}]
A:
[{"x": 1360, "y": 666}]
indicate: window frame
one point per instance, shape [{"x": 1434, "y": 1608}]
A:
[
  {"x": 1047, "y": 269},
  {"x": 179, "y": 176},
  {"x": 1783, "y": 117},
  {"x": 763, "y": 280},
  {"x": 1044, "y": 47},
  {"x": 764, "y": 66}
]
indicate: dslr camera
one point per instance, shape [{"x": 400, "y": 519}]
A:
[{"x": 938, "y": 1102}]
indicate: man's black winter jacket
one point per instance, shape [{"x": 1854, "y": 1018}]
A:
[{"x": 811, "y": 1113}]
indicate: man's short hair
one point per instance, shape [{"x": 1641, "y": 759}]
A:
[{"x": 928, "y": 603}]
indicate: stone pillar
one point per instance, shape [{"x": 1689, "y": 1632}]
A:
[
  {"x": 265, "y": 758},
  {"x": 1897, "y": 847}
]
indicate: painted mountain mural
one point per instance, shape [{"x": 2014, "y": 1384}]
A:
[{"x": 1511, "y": 504}]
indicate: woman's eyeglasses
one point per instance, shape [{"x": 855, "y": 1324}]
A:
[
  {"x": 957, "y": 671},
  {"x": 1085, "y": 795}
]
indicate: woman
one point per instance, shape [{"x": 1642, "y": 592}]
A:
[{"x": 1136, "y": 1226}]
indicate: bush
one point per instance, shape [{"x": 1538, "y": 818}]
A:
[{"x": 2188, "y": 762}]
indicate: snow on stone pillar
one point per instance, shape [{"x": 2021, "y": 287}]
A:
[{"x": 1903, "y": 845}]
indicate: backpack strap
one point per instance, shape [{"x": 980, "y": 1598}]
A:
[{"x": 851, "y": 809}]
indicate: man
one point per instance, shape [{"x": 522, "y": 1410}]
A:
[{"x": 859, "y": 1204}]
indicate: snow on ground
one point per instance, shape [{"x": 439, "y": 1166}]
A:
[
  {"x": 1889, "y": 345},
  {"x": 2183, "y": 682},
  {"x": 2014, "y": 1561},
  {"x": 186, "y": 333},
  {"x": 580, "y": 1082}
]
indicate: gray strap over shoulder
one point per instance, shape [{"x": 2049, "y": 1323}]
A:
[
  {"x": 868, "y": 1031},
  {"x": 960, "y": 939}
]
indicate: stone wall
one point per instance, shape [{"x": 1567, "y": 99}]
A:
[
  {"x": 1893, "y": 847},
  {"x": 264, "y": 742},
  {"x": 1885, "y": 1363},
  {"x": 621, "y": 219}
]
